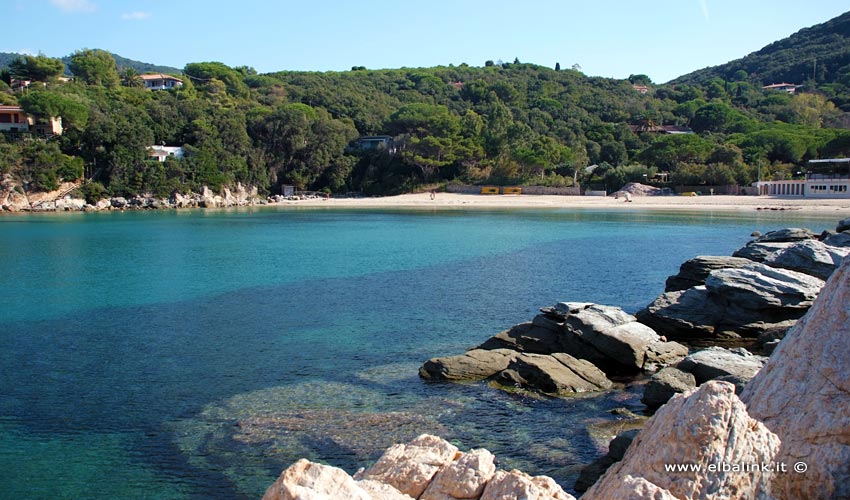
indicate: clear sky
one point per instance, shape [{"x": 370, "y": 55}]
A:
[{"x": 662, "y": 39}]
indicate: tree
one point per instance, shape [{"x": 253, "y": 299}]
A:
[
  {"x": 131, "y": 78},
  {"x": 39, "y": 68},
  {"x": 94, "y": 67},
  {"x": 557, "y": 66}
]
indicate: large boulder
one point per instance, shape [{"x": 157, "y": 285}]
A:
[
  {"x": 843, "y": 225},
  {"x": 714, "y": 362},
  {"x": 476, "y": 364},
  {"x": 810, "y": 257},
  {"x": 693, "y": 272},
  {"x": 517, "y": 485},
  {"x": 665, "y": 384},
  {"x": 757, "y": 252},
  {"x": 760, "y": 287},
  {"x": 308, "y": 480},
  {"x": 786, "y": 235},
  {"x": 691, "y": 313},
  {"x": 840, "y": 240},
  {"x": 466, "y": 477},
  {"x": 557, "y": 374},
  {"x": 621, "y": 338},
  {"x": 410, "y": 467},
  {"x": 702, "y": 428},
  {"x": 803, "y": 395}
]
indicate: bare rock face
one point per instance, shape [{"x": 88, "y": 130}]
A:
[
  {"x": 691, "y": 313},
  {"x": 307, "y": 480},
  {"x": 757, "y": 252},
  {"x": 706, "y": 426},
  {"x": 810, "y": 257},
  {"x": 693, "y": 272},
  {"x": 786, "y": 235},
  {"x": 410, "y": 467},
  {"x": 714, "y": 362},
  {"x": 466, "y": 477},
  {"x": 516, "y": 485},
  {"x": 843, "y": 225},
  {"x": 803, "y": 395},
  {"x": 840, "y": 240},
  {"x": 758, "y": 287}
]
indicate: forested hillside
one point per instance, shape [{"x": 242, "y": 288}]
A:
[
  {"x": 818, "y": 57},
  {"x": 497, "y": 123},
  {"x": 6, "y": 59}
]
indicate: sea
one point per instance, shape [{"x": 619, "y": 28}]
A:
[{"x": 195, "y": 354}]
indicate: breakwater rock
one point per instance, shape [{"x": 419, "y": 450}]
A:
[{"x": 571, "y": 347}]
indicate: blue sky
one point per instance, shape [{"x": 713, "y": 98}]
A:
[{"x": 663, "y": 39}]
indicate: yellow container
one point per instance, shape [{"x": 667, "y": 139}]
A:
[
  {"x": 489, "y": 190},
  {"x": 511, "y": 190}
]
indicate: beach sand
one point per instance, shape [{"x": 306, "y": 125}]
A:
[{"x": 841, "y": 207}]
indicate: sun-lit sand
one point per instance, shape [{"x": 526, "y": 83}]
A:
[{"x": 841, "y": 207}]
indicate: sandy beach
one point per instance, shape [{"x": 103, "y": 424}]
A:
[{"x": 841, "y": 207}]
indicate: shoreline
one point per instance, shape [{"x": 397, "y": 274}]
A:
[{"x": 453, "y": 201}]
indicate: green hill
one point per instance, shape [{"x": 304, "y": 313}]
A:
[
  {"x": 122, "y": 62},
  {"x": 820, "y": 53}
]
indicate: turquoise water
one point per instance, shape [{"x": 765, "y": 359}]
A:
[{"x": 195, "y": 354}]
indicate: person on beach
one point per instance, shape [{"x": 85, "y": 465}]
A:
[{"x": 433, "y": 194}]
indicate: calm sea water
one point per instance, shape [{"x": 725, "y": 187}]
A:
[{"x": 196, "y": 354}]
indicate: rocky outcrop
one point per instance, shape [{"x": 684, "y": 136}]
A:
[
  {"x": 715, "y": 362},
  {"x": 786, "y": 235},
  {"x": 757, "y": 252},
  {"x": 705, "y": 427},
  {"x": 562, "y": 351},
  {"x": 843, "y": 225},
  {"x": 803, "y": 395},
  {"x": 840, "y": 240},
  {"x": 665, "y": 384},
  {"x": 427, "y": 468},
  {"x": 745, "y": 301},
  {"x": 693, "y": 272}
]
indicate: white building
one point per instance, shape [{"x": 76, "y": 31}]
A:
[
  {"x": 160, "y": 81},
  {"x": 160, "y": 153},
  {"x": 833, "y": 184}
]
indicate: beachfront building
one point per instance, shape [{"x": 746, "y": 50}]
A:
[
  {"x": 160, "y": 153},
  {"x": 160, "y": 81},
  {"x": 829, "y": 178}
]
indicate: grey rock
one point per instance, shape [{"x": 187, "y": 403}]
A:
[
  {"x": 840, "y": 240},
  {"x": 665, "y": 384},
  {"x": 768, "y": 347},
  {"x": 758, "y": 251},
  {"x": 786, "y": 235},
  {"x": 757, "y": 286},
  {"x": 661, "y": 354},
  {"x": 739, "y": 382},
  {"x": 811, "y": 257},
  {"x": 557, "y": 374},
  {"x": 715, "y": 362},
  {"x": 684, "y": 314},
  {"x": 843, "y": 225},
  {"x": 693, "y": 272},
  {"x": 118, "y": 202},
  {"x": 476, "y": 364},
  {"x": 775, "y": 331}
]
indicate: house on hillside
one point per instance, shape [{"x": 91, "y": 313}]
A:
[
  {"x": 14, "y": 119},
  {"x": 783, "y": 87},
  {"x": 662, "y": 129},
  {"x": 642, "y": 89},
  {"x": 160, "y": 81},
  {"x": 374, "y": 143},
  {"x": 160, "y": 153}
]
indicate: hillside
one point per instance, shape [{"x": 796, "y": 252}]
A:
[
  {"x": 820, "y": 53},
  {"x": 122, "y": 62}
]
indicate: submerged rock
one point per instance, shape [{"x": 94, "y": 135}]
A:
[
  {"x": 558, "y": 374},
  {"x": 616, "y": 450},
  {"x": 476, "y": 364}
]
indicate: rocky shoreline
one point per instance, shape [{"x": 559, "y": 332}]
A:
[{"x": 787, "y": 292}]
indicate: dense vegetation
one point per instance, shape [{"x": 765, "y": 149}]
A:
[{"x": 500, "y": 123}]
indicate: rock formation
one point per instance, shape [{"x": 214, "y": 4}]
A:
[
  {"x": 569, "y": 348},
  {"x": 427, "y": 468}
]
